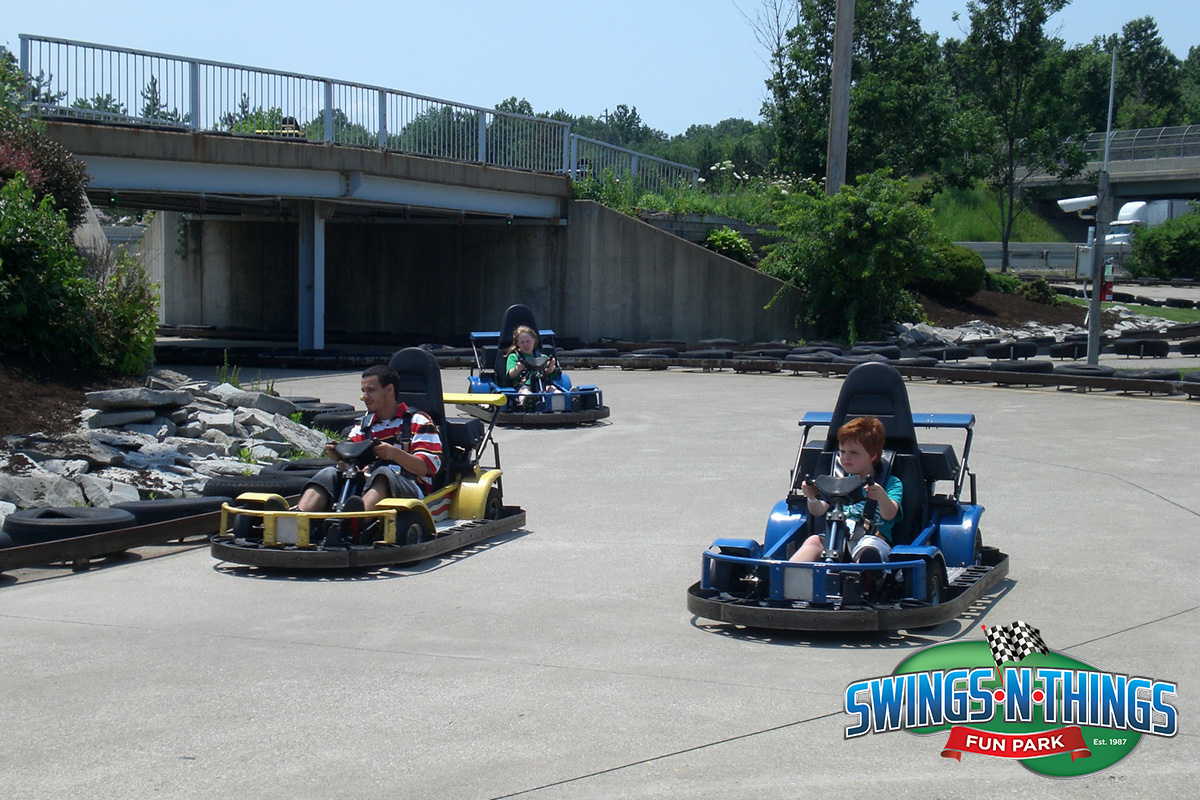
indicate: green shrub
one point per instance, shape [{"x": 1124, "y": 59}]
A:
[
  {"x": 1039, "y": 291},
  {"x": 1003, "y": 282},
  {"x": 124, "y": 314},
  {"x": 955, "y": 273},
  {"x": 730, "y": 244},
  {"x": 851, "y": 255},
  {"x": 49, "y": 169},
  {"x": 44, "y": 307},
  {"x": 1169, "y": 250}
]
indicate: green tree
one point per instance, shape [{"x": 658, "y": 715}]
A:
[
  {"x": 1147, "y": 77},
  {"x": 1189, "y": 87},
  {"x": 106, "y": 103},
  {"x": 852, "y": 254},
  {"x": 899, "y": 96},
  {"x": 1010, "y": 74},
  {"x": 153, "y": 107}
]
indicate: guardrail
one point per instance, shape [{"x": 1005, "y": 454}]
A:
[
  {"x": 84, "y": 80},
  {"x": 1141, "y": 143}
]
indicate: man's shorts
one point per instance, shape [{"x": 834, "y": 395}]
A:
[{"x": 398, "y": 484}]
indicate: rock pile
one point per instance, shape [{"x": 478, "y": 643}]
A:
[
  {"x": 163, "y": 440},
  {"x": 922, "y": 335}
]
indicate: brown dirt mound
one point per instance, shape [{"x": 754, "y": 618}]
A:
[
  {"x": 1002, "y": 310},
  {"x": 45, "y": 400}
]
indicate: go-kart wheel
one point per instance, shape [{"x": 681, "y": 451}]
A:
[
  {"x": 934, "y": 583},
  {"x": 409, "y": 528},
  {"x": 243, "y": 527},
  {"x": 494, "y": 505}
]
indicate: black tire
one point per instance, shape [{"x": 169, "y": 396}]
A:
[
  {"x": 1067, "y": 350},
  {"x": 1010, "y": 350},
  {"x": 271, "y": 483},
  {"x": 1085, "y": 370},
  {"x": 1148, "y": 374},
  {"x": 916, "y": 361},
  {"x": 300, "y": 466},
  {"x": 36, "y": 525},
  {"x": 887, "y": 351},
  {"x": 336, "y": 420},
  {"x": 718, "y": 343},
  {"x": 5, "y": 540},
  {"x": 1038, "y": 367},
  {"x": 1142, "y": 348},
  {"x": 1189, "y": 347},
  {"x": 301, "y": 400},
  {"x": 814, "y": 357},
  {"x": 150, "y": 511},
  {"x": 494, "y": 505},
  {"x": 584, "y": 353},
  {"x": 935, "y": 583},
  {"x": 669, "y": 352},
  {"x": 1192, "y": 377},
  {"x": 816, "y": 348},
  {"x": 709, "y": 354},
  {"x": 952, "y": 353},
  {"x": 767, "y": 352},
  {"x": 308, "y": 411},
  {"x": 410, "y": 528}
]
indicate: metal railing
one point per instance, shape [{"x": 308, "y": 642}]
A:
[
  {"x": 1140, "y": 143},
  {"x": 112, "y": 84},
  {"x": 591, "y": 158}
]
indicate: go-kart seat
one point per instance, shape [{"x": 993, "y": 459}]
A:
[
  {"x": 876, "y": 390},
  {"x": 515, "y": 316},
  {"x": 421, "y": 386}
]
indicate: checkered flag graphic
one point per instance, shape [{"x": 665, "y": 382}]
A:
[{"x": 1014, "y": 641}]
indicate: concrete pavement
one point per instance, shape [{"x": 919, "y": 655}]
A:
[{"x": 560, "y": 661}]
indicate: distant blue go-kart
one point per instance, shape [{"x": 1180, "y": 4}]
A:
[
  {"x": 556, "y": 402},
  {"x": 938, "y": 566}
]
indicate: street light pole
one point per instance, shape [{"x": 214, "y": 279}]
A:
[
  {"x": 839, "y": 97},
  {"x": 1103, "y": 217}
]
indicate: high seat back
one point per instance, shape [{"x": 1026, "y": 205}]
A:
[
  {"x": 875, "y": 389},
  {"x": 515, "y": 316},
  {"x": 420, "y": 386}
]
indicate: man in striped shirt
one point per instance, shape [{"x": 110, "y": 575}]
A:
[{"x": 406, "y": 460}]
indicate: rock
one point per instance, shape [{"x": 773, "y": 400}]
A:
[
  {"x": 223, "y": 422},
  {"x": 261, "y": 400},
  {"x": 64, "y": 468},
  {"x": 27, "y": 485},
  {"x": 115, "y": 419},
  {"x": 224, "y": 466},
  {"x": 300, "y": 437},
  {"x": 126, "y": 439},
  {"x": 160, "y": 428},
  {"x": 79, "y": 445},
  {"x": 5, "y": 510},
  {"x": 136, "y": 398},
  {"x": 104, "y": 493}
]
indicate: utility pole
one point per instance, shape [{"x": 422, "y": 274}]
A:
[
  {"x": 839, "y": 97},
  {"x": 1104, "y": 206}
]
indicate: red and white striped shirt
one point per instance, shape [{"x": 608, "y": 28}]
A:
[{"x": 426, "y": 441}]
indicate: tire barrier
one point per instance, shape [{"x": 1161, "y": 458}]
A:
[
  {"x": 37, "y": 525},
  {"x": 1011, "y": 351},
  {"x": 270, "y": 483},
  {"x": 1013, "y": 365},
  {"x": 950, "y": 353},
  {"x": 1142, "y": 348},
  {"x": 1189, "y": 347},
  {"x": 146, "y": 512},
  {"x": 1068, "y": 350},
  {"x": 888, "y": 351},
  {"x": 1085, "y": 370}
]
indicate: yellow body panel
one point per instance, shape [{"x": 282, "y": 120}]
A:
[
  {"x": 471, "y": 499},
  {"x": 454, "y": 398}
]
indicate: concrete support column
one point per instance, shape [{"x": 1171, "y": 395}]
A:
[{"x": 311, "y": 312}]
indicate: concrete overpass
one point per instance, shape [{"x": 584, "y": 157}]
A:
[{"x": 361, "y": 201}]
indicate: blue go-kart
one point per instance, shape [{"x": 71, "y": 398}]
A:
[
  {"x": 556, "y": 402},
  {"x": 938, "y": 566}
]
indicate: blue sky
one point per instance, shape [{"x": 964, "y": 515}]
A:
[{"x": 678, "y": 61}]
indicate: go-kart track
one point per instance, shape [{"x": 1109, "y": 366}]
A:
[{"x": 559, "y": 660}]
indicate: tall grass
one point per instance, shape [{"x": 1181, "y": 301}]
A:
[{"x": 972, "y": 215}]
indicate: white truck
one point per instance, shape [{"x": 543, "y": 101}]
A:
[{"x": 1142, "y": 212}]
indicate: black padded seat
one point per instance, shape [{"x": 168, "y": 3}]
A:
[
  {"x": 515, "y": 316},
  {"x": 420, "y": 386},
  {"x": 876, "y": 389}
]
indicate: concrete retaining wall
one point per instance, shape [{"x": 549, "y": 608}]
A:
[{"x": 602, "y": 275}]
